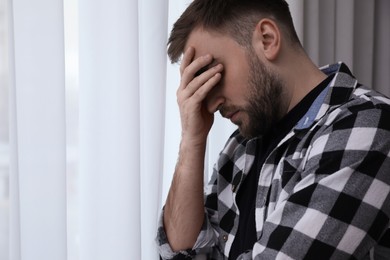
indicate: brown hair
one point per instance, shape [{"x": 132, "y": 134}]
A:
[{"x": 237, "y": 18}]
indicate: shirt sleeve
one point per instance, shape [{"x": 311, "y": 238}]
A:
[
  {"x": 339, "y": 203},
  {"x": 203, "y": 245}
]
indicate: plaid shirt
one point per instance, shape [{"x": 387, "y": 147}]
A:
[{"x": 323, "y": 192}]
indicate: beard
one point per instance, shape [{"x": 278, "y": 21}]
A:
[
  {"x": 265, "y": 100},
  {"x": 265, "y": 106}
]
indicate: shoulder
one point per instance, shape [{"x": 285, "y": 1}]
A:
[
  {"x": 355, "y": 132},
  {"x": 366, "y": 108}
]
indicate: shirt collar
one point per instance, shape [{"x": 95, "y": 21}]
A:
[{"x": 337, "y": 92}]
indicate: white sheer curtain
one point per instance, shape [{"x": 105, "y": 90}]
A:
[
  {"x": 128, "y": 128},
  {"x": 37, "y": 131},
  {"x": 122, "y": 77},
  {"x": 109, "y": 130}
]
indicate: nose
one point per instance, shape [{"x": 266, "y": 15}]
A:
[{"x": 214, "y": 100}]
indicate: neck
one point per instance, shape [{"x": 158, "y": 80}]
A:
[{"x": 302, "y": 76}]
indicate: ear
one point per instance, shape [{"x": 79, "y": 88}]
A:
[{"x": 267, "y": 38}]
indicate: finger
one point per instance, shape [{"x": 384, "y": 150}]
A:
[
  {"x": 197, "y": 82},
  {"x": 201, "y": 93},
  {"x": 196, "y": 65},
  {"x": 187, "y": 59}
]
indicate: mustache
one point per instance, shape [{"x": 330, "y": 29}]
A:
[{"x": 226, "y": 111}]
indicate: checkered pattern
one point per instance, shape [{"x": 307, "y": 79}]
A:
[{"x": 323, "y": 193}]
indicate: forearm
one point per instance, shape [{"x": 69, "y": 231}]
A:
[{"x": 184, "y": 209}]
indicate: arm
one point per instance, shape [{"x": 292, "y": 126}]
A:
[{"x": 184, "y": 209}]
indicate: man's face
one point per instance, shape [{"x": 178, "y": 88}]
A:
[{"x": 248, "y": 94}]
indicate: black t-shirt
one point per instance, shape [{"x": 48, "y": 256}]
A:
[{"x": 246, "y": 198}]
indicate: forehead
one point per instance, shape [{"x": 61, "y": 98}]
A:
[{"x": 212, "y": 42}]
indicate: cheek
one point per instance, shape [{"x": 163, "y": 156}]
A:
[{"x": 236, "y": 86}]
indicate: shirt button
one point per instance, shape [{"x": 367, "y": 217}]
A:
[{"x": 225, "y": 238}]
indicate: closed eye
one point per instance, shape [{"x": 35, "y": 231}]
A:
[{"x": 205, "y": 68}]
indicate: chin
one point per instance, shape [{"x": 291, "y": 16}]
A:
[{"x": 246, "y": 133}]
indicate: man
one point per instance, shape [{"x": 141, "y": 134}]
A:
[{"x": 307, "y": 173}]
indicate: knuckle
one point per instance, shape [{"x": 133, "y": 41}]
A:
[{"x": 199, "y": 95}]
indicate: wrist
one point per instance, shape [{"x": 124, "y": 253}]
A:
[{"x": 193, "y": 144}]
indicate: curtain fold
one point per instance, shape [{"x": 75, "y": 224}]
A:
[
  {"x": 310, "y": 27},
  {"x": 364, "y": 41},
  {"x": 344, "y": 32},
  {"x": 37, "y": 170},
  {"x": 109, "y": 107},
  {"x": 381, "y": 65},
  {"x": 14, "y": 211},
  {"x": 153, "y": 21}
]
